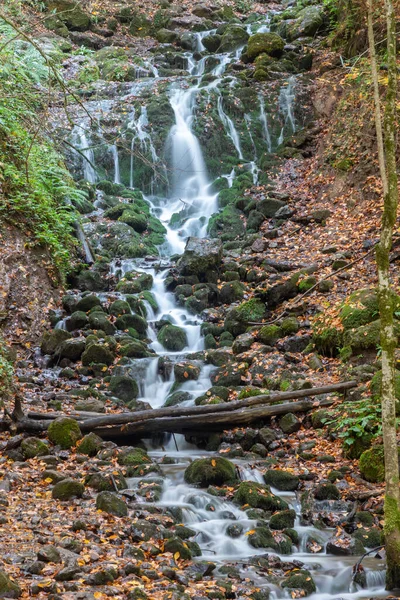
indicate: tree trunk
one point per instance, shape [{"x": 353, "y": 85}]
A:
[{"x": 388, "y": 168}]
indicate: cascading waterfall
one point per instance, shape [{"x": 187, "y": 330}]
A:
[
  {"x": 81, "y": 141},
  {"x": 114, "y": 153},
  {"x": 230, "y": 128},
  {"x": 286, "y": 106},
  {"x": 264, "y": 124}
]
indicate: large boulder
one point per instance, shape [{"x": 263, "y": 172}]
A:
[
  {"x": 70, "y": 13},
  {"x": 265, "y": 43},
  {"x": 173, "y": 338},
  {"x": 67, "y": 489},
  {"x": 123, "y": 387},
  {"x": 33, "y": 446},
  {"x": 97, "y": 353},
  {"x": 284, "y": 481},
  {"x": 52, "y": 340},
  {"x": 262, "y": 537},
  {"x": 71, "y": 349},
  {"x": 111, "y": 504},
  {"x": 8, "y": 587},
  {"x": 64, "y": 432},
  {"x": 372, "y": 464},
  {"x": 238, "y": 319},
  {"x": 201, "y": 256},
  {"x": 257, "y": 495},
  {"x": 234, "y": 37},
  {"x": 299, "y": 583},
  {"x": 210, "y": 471},
  {"x": 308, "y": 22}
]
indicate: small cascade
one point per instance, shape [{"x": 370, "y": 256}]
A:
[
  {"x": 286, "y": 106},
  {"x": 85, "y": 154},
  {"x": 139, "y": 128},
  {"x": 230, "y": 127},
  {"x": 264, "y": 124},
  {"x": 114, "y": 153}
]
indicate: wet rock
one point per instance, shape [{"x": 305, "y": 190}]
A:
[
  {"x": 200, "y": 257},
  {"x": 119, "y": 308},
  {"x": 210, "y": 471},
  {"x": 64, "y": 432},
  {"x": 265, "y": 43},
  {"x": 242, "y": 343},
  {"x": 32, "y": 447},
  {"x": 257, "y": 495},
  {"x": 344, "y": 545},
  {"x": 124, "y": 387},
  {"x": 111, "y": 504},
  {"x": 136, "y": 321},
  {"x": 177, "y": 398},
  {"x": 173, "y": 338},
  {"x": 263, "y": 538},
  {"x": 233, "y": 37},
  {"x": 97, "y": 353},
  {"x": 52, "y": 340},
  {"x": 326, "y": 491},
  {"x": 67, "y": 489},
  {"x": 176, "y": 545},
  {"x": 283, "y": 520},
  {"x": 106, "y": 481},
  {"x": 71, "y": 349},
  {"x": 300, "y": 583},
  {"x": 289, "y": 423},
  {"x": 186, "y": 371},
  {"x": 240, "y": 318},
  {"x": 235, "y": 530},
  {"x": 99, "y": 320},
  {"x": 78, "y": 320},
  {"x": 212, "y": 42},
  {"x": 8, "y": 587},
  {"x": 87, "y": 302},
  {"x": 282, "y": 480},
  {"x": 134, "y": 349}
]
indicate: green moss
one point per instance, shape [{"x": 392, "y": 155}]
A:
[
  {"x": 8, "y": 587},
  {"x": 300, "y": 580},
  {"x": 282, "y": 480},
  {"x": 289, "y": 326},
  {"x": 250, "y": 392},
  {"x": 124, "y": 387},
  {"x": 326, "y": 491},
  {"x": 306, "y": 284},
  {"x": 262, "y": 538},
  {"x": 210, "y": 471},
  {"x": 257, "y": 495},
  {"x": 265, "y": 43},
  {"x": 173, "y": 338},
  {"x": 269, "y": 334},
  {"x": 353, "y": 317},
  {"x": 32, "y": 447},
  {"x": 283, "y": 519},
  {"x": 68, "y": 489},
  {"x": 372, "y": 464},
  {"x": 111, "y": 504},
  {"x": 64, "y": 432},
  {"x": 90, "y": 444},
  {"x": 371, "y": 538}
]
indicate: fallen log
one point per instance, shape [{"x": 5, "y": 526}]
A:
[{"x": 89, "y": 424}]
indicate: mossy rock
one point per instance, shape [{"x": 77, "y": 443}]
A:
[
  {"x": 70, "y": 13},
  {"x": 177, "y": 398},
  {"x": 257, "y": 495},
  {"x": 289, "y": 326},
  {"x": 353, "y": 317},
  {"x": 320, "y": 417},
  {"x": 123, "y": 387},
  {"x": 78, "y": 320},
  {"x": 265, "y": 43},
  {"x": 67, "y": 489},
  {"x": 289, "y": 423},
  {"x": 99, "y": 321},
  {"x": 111, "y": 504},
  {"x": 136, "y": 321},
  {"x": 8, "y": 587},
  {"x": 262, "y": 538},
  {"x": 306, "y": 284},
  {"x": 269, "y": 334},
  {"x": 33, "y": 446},
  {"x": 133, "y": 457},
  {"x": 372, "y": 464},
  {"x": 88, "y": 302},
  {"x": 283, "y": 520},
  {"x": 283, "y": 481},
  {"x": 240, "y": 318},
  {"x": 106, "y": 482},
  {"x": 370, "y": 538},
  {"x": 119, "y": 308},
  {"x": 300, "y": 581},
  {"x": 97, "y": 353},
  {"x": 71, "y": 349},
  {"x": 90, "y": 444},
  {"x": 233, "y": 37},
  {"x": 231, "y": 292},
  {"x": 64, "y": 432},
  {"x": 210, "y": 471},
  {"x": 366, "y": 337},
  {"x": 53, "y": 339},
  {"x": 134, "y": 349},
  {"x": 173, "y": 338},
  {"x": 326, "y": 491},
  {"x": 359, "y": 446},
  {"x": 176, "y": 545}
]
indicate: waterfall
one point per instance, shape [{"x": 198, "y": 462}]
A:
[
  {"x": 114, "y": 153},
  {"x": 286, "y": 106},
  {"x": 264, "y": 124},
  {"x": 230, "y": 127},
  {"x": 81, "y": 141}
]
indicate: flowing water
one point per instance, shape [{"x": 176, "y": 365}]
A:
[{"x": 190, "y": 193}]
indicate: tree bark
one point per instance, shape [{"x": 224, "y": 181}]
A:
[{"x": 388, "y": 168}]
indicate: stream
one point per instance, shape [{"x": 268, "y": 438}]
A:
[{"x": 222, "y": 529}]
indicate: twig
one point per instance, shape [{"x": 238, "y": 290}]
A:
[{"x": 357, "y": 565}]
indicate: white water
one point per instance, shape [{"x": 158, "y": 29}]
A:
[
  {"x": 81, "y": 141},
  {"x": 286, "y": 105},
  {"x": 114, "y": 153},
  {"x": 264, "y": 124}
]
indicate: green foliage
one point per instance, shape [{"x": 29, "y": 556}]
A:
[
  {"x": 6, "y": 371},
  {"x": 358, "y": 420},
  {"x": 37, "y": 188}
]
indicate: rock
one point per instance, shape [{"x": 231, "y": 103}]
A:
[
  {"x": 111, "y": 504},
  {"x": 87, "y": 302},
  {"x": 91, "y": 281},
  {"x": 70, "y": 13},
  {"x": 90, "y": 405},
  {"x": 212, "y": 42},
  {"x": 283, "y": 481},
  {"x": 231, "y": 292},
  {"x": 238, "y": 319},
  {"x": 259, "y": 245},
  {"x": 289, "y": 423},
  {"x": 372, "y": 464},
  {"x": 106, "y": 481},
  {"x": 176, "y": 545},
  {"x": 320, "y": 417},
  {"x": 97, "y": 353},
  {"x": 177, "y": 398},
  {"x": 55, "y": 476},
  {"x": 119, "y": 308},
  {"x": 134, "y": 349},
  {"x": 210, "y": 471},
  {"x": 33, "y": 446},
  {"x": 52, "y": 340},
  {"x": 326, "y": 491},
  {"x": 77, "y": 320},
  {"x": 344, "y": 545},
  {"x": 233, "y": 37},
  {"x": 283, "y": 520},
  {"x": 261, "y": 537},
  {"x": 269, "y": 334},
  {"x": 71, "y": 349},
  {"x": 90, "y": 444},
  {"x": 300, "y": 582},
  {"x": 201, "y": 256},
  {"x": 99, "y": 320},
  {"x": 124, "y": 387},
  {"x": 269, "y": 206},
  {"x": 64, "y": 432},
  {"x": 308, "y": 22},
  {"x": 242, "y": 343},
  {"x": 49, "y": 554},
  {"x": 67, "y": 489},
  {"x": 257, "y": 495},
  {"x": 173, "y": 338},
  {"x": 8, "y": 587},
  {"x": 265, "y": 43},
  {"x": 186, "y": 371},
  {"x": 136, "y": 321},
  {"x": 166, "y": 36}
]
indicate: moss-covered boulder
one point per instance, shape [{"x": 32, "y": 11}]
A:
[
  {"x": 201, "y": 256},
  {"x": 97, "y": 353},
  {"x": 173, "y": 338},
  {"x": 257, "y": 495},
  {"x": 284, "y": 481},
  {"x": 186, "y": 371},
  {"x": 227, "y": 224},
  {"x": 99, "y": 320},
  {"x": 372, "y": 464},
  {"x": 90, "y": 444},
  {"x": 133, "y": 457},
  {"x": 124, "y": 387},
  {"x": 300, "y": 583},
  {"x": 283, "y": 519},
  {"x": 64, "y": 432},
  {"x": 78, "y": 320},
  {"x": 309, "y": 21},
  {"x": 289, "y": 423},
  {"x": 210, "y": 471},
  {"x": 262, "y": 537},
  {"x": 176, "y": 545},
  {"x": 68, "y": 489},
  {"x": 134, "y": 349},
  {"x": 265, "y": 43},
  {"x": 106, "y": 481},
  {"x": 212, "y": 42},
  {"x": 240, "y": 318},
  {"x": 119, "y": 308},
  {"x": 88, "y": 302},
  {"x": 70, "y": 13},
  {"x": 234, "y": 36},
  {"x": 231, "y": 292},
  {"x": 111, "y": 504},
  {"x": 33, "y": 446},
  {"x": 137, "y": 322},
  {"x": 8, "y": 587},
  {"x": 326, "y": 491},
  {"x": 52, "y": 340},
  {"x": 71, "y": 349},
  {"x": 269, "y": 334}
]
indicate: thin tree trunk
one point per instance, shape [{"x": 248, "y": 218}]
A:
[{"x": 388, "y": 168}]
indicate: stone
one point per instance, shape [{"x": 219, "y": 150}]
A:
[
  {"x": 326, "y": 491},
  {"x": 166, "y": 36},
  {"x": 257, "y": 495},
  {"x": 90, "y": 444},
  {"x": 234, "y": 36},
  {"x": 308, "y": 22},
  {"x": 201, "y": 255},
  {"x": 289, "y": 423},
  {"x": 265, "y": 43},
  {"x": 77, "y": 320},
  {"x": 67, "y": 489},
  {"x": 173, "y": 338},
  {"x": 212, "y": 42},
  {"x": 283, "y": 520},
  {"x": 33, "y": 446},
  {"x": 300, "y": 582},
  {"x": 372, "y": 464},
  {"x": 49, "y": 554},
  {"x": 97, "y": 353},
  {"x": 344, "y": 545},
  {"x": 70, "y": 13},
  {"x": 186, "y": 371},
  {"x": 64, "y": 432},
  {"x": 261, "y": 537},
  {"x": 106, "y": 481},
  {"x": 284, "y": 481},
  {"x": 71, "y": 349},
  {"x": 242, "y": 343},
  {"x": 87, "y": 302},
  {"x": 210, "y": 471},
  {"x": 111, "y": 504},
  {"x": 124, "y": 387},
  {"x": 99, "y": 320},
  {"x": 52, "y": 340},
  {"x": 8, "y": 587}
]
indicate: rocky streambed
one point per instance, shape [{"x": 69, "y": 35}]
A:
[{"x": 176, "y": 151}]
